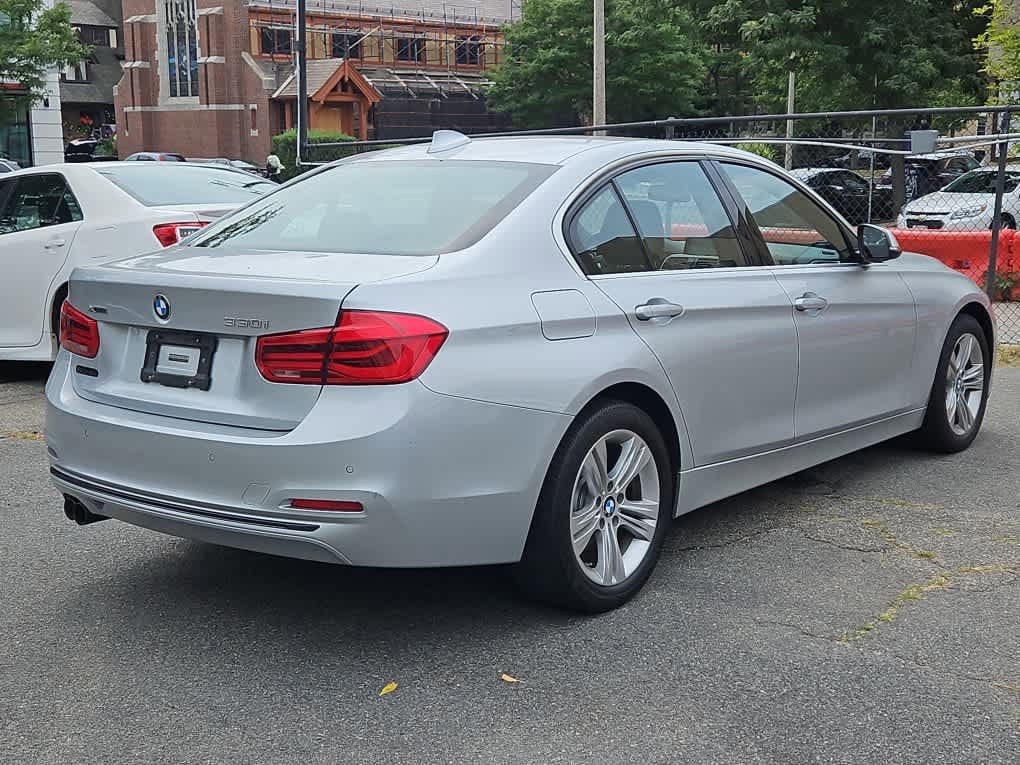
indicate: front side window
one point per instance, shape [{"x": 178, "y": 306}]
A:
[
  {"x": 679, "y": 217},
  {"x": 796, "y": 230},
  {"x": 382, "y": 207},
  {"x": 982, "y": 182},
  {"x": 38, "y": 201},
  {"x": 180, "y": 18}
]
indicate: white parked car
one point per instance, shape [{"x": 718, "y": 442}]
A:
[
  {"x": 56, "y": 217},
  {"x": 966, "y": 204}
]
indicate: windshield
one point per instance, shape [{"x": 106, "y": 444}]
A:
[
  {"x": 171, "y": 184},
  {"x": 424, "y": 207},
  {"x": 982, "y": 182}
]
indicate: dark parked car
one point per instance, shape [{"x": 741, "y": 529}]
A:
[
  {"x": 848, "y": 193},
  {"x": 85, "y": 150},
  {"x": 930, "y": 172}
]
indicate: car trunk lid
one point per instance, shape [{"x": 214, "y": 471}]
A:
[{"x": 178, "y": 329}]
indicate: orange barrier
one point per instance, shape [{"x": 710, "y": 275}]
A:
[{"x": 964, "y": 251}]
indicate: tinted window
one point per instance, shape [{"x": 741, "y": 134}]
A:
[
  {"x": 383, "y": 207},
  {"x": 38, "y": 201},
  {"x": 604, "y": 239},
  {"x": 850, "y": 181},
  {"x": 796, "y": 230},
  {"x": 173, "y": 184},
  {"x": 680, "y": 218}
]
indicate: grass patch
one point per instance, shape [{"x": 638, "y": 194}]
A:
[
  {"x": 23, "y": 435},
  {"x": 1008, "y": 356},
  {"x": 890, "y": 539}
]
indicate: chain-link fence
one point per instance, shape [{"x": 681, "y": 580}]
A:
[{"x": 944, "y": 180}]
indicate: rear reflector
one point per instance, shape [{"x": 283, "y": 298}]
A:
[
  {"x": 364, "y": 348},
  {"x": 79, "y": 333},
  {"x": 327, "y": 504},
  {"x": 170, "y": 234}
]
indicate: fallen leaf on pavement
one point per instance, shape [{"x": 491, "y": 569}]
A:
[
  {"x": 388, "y": 688},
  {"x": 508, "y": 679}
]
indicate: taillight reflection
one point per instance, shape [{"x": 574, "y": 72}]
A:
[{"x": 169, "y": 234}]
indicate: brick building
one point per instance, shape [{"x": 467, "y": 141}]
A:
[{"x": 216, "y": 78}]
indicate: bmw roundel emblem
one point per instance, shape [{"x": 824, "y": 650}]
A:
[{"x": 161, "y": 307}]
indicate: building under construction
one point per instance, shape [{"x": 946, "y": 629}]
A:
[{"x": 214, "y": 78}]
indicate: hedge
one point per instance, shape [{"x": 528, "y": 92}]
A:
[{"x": 285, "y": 147}]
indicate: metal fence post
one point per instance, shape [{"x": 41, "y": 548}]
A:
[
  {"x": 1000, "y": 182},
  {"x": 301, "y": 49}
]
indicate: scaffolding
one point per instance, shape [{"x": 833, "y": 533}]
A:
[{"x": 442, "y": 38}]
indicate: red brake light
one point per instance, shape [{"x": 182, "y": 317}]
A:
[
  {"x": 170, "y": 234},
  {"x": 338, "y": 506},
  {"x": 79, "y": 333},
  {"x": 364, "y": 348}
]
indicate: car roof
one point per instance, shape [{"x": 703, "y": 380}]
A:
[
  {"x": 553, "y": 150},
  {"x": 810, "y": 172},
  {"x": 98, "y": 167}
]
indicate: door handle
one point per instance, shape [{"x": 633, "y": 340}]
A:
[
  {"x": 809, "y": 301},
  {"x": 53, "y": 244},
  {"x": 657, "y": 308}
]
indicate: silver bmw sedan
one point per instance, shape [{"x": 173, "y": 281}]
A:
[{"x": 535, "y": 351}]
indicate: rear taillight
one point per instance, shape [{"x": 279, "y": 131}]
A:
[
  {"x": 79, "y": 333},
  {"x": 170, "y": 234},
  {"x": 364, "y": 348},
  {"x": 336, "y": 506}
]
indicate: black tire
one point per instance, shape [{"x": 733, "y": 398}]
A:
[
  {"x": 549, "y": 570},
  {"x": 58, "y": 301},
  {"x": 937, "y": 433},
  {"x": 1008, "y": 222}
]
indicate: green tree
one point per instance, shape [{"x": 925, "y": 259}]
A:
[
  {"x": 847, "y": 54},
  {"x": 655, "y": 66},
  {"x": 999, "y": 43},
  {"x": 33, "y": 39}
]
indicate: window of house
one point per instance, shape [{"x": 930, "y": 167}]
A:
[
  {"x": 77, "y": 72},
  {"x": 346, "y": 44},
  {"x": 276, "y": 41},
  {"x": 469, "y": 51},
  {"x": 796, "y": 230},
  {"x": 410, "y": 48},
  {"x": 97, "y": 37},
  {"x": 181, "y": 21}
]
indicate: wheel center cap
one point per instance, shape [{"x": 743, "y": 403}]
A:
[{"x": 609, "y": 507}]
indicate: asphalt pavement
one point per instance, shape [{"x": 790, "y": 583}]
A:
[{"x": 864, "y": 611}]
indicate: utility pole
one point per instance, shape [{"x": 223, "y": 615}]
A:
[
  {"x": 300, "y": 49},
  {"x": 598, "y": 112},
  {"x": 791, "y": 85}
]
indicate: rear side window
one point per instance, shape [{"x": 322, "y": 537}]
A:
[
  {"x": 680, "y": 223},
  {"x": 383, "y": 207},
  {"x": 37, "y": 201},
  {"x": 159, "y": 184}
]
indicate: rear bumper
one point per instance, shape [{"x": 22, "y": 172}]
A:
[{"x": 443, "y": 480}]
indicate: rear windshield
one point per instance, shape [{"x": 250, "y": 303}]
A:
[
  {"x": 983, "y": 182},
  {"x": 160, "y": 184},
  {"x": 383, "y": 207}
]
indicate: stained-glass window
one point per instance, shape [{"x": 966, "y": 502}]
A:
[{"x": 181, "y": 19}]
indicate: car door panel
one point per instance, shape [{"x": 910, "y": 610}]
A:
[
  {"x": 719, "y": 324},
  {"x": 856, "y": 324},
  {"x": 37, "y": 231}
]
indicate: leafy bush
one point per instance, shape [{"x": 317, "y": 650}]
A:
[
  {"x": 285, "y": 147},
  {"x": 767, "y": 150},
  {"x": 107, "y": 147}
]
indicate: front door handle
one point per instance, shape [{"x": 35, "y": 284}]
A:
[
  {"x": 809, "y": 301},
  {"x": 657, "y": 308}
]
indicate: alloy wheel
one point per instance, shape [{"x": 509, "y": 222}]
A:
[
  {"x": 614, "y": 507},
  {"x": 965, "y": 384}
]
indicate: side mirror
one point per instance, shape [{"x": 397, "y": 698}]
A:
[{"x": 876, "y": 244}]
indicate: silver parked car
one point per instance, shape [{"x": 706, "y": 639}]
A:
[{"x": 531, "y": 351}]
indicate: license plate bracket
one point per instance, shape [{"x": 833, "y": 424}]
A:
[{"x": 166, "y": 349}]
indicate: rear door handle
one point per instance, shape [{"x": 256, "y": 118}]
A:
[
  {"x": 657, "y": 308},
  {"x": 809, "y": 301},
  {"x": 53, "y": 244}
]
